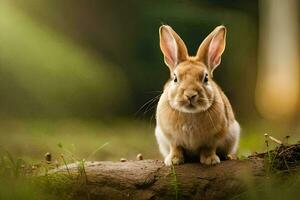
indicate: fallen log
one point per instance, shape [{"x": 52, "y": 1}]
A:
[{"x": 151, "y": 179}]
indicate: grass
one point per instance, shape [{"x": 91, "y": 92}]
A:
[
  {"x": 23, "y": 144},
  {"x": 283, "y": 159},
  {"x": 281, "y": 165},
  {"x": 30, "y": 140},
  {"x": 15, "y": 173},
  {"x": 175, "y": 183},
  {"x": 274, "y": 188},
  {"x": 16, "y": 179}
]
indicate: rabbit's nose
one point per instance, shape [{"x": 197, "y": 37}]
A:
[{"x": 191, "y": 95}]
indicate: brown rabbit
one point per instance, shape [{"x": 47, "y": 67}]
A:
[{"x": 194, "y": 117}]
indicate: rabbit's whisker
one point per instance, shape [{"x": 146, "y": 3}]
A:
[{"x": 148, "y": 104}]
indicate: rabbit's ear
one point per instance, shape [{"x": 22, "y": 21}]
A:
[
  {"x": 172, "y": 46},
  {"x": 212, "y": 47}
]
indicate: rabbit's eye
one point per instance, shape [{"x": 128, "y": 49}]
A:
[
  {"x": 205, "y": 79},
  {"x": 175, "y": 78}
]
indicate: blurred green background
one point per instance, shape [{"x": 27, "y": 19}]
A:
[
  {"x": 84, "y": 74},
  {"x": 79, "y": 73}
]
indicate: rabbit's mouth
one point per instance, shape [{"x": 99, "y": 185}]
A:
[{"x": 190, "y": 107}]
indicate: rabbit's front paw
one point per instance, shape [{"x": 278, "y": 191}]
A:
[
  {"x": 210, "y": 160},
  {"x": 174, "y": 160}
]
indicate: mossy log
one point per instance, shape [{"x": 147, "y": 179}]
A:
[{"x": 151, "y": 179}]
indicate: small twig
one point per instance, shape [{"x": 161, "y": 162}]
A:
[
  {"x": 287, "y": 149},
  {"x": 267, "y": 136},
  {"x": 275, "y": 140}
]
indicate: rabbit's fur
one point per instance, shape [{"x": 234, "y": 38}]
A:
[{"x": 194, "y": 117}]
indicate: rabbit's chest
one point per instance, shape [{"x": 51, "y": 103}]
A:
[
  {"x": 193, "y": 132},
  {"x": 192, "y": 136}
]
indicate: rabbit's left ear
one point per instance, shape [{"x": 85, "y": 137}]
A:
[
  {"x": 212, "y": 47},
  {"x": 172, "y": 46}
]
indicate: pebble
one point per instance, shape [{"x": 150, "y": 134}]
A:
[
  {"x": 139, "y": 157},
  {"x": 48, "y": 157},
  {"x": 123, "y": 160}
]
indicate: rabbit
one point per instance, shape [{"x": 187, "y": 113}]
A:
[{"x": 194, "y": 118}]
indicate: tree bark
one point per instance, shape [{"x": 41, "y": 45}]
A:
[{"x": 150, "y": 179}]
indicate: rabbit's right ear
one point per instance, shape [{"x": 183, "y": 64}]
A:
[{"x": 172, "y": 46}]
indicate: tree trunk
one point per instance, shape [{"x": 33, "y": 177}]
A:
[{"x": 150, "y": 179}]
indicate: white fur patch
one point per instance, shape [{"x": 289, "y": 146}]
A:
[
  {"x": 234, "y": 134},
  {"x": 162, "y": 141}
]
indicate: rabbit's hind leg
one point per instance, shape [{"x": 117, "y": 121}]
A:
[{"x": 229, "y": 145}]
